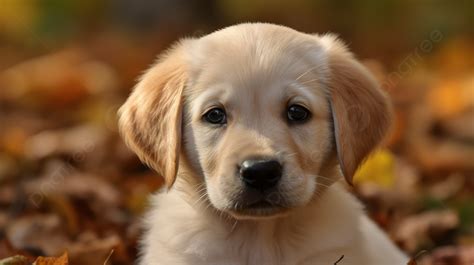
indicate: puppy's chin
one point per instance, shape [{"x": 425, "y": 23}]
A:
[{"x": 258, "y": 211}]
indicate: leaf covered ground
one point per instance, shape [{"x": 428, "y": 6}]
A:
[{"x": 69, "y": 185}]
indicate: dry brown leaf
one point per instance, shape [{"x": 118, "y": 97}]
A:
[
  {"x": 79, "y": 142},
  {"x": 45, "y": 232},
  {"x": 61, "y": 260},
  {"x": 76, "y": 78},
  {"x": 95, "y": 250},
  {"x": 414, "y": 230}
]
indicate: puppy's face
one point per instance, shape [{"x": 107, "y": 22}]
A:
[
  {"x": 260, "y": 125},
  {"x": 258, "y": 110}
]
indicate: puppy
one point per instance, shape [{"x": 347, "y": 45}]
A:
[{"x": 251, "y": 126}]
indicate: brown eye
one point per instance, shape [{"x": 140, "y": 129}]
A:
[
  {"x": 215, "y": 116},
  {"x": 297, "y": 113}
]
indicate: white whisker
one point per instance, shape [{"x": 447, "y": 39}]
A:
[{"x": 322, "y": 177}]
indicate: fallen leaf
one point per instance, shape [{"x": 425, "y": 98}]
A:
[
  {"x": 61, "y": 260},
  {"x": 414, "y": 230},
  {"x": 450, "y": 255},
  {"x": 95, "y": 250},
  {"x": 15, "y": 260},
  {"x": 45, "y": 232},
  {"x": 378, "y": 169}
]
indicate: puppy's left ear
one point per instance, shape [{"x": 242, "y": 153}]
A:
[
  {"x": 150, "y": 119},
  {"x": 361, "y": 112}
]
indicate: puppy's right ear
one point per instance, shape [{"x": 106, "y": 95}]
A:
[{"x": 150, "y": 119}]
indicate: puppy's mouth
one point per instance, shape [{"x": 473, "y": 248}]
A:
[
  {"x": 258, "y": 210},
  {"x": 258, "y": 206}
]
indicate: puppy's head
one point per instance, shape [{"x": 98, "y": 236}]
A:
[{"x": 258, "y": 111}]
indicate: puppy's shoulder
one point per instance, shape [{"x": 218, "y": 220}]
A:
[
  {"x": 166, "y": 206},
  {"x": 352, "y": 231}
]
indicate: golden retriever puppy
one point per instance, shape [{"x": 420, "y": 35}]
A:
[{"x": 251, "y": 126}]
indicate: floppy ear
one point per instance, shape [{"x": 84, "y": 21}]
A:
[
  {"x": 360, "y": 110},
  {"x": 150, "y": 119}
]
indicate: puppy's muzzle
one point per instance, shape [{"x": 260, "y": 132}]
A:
[
  {"x": 260, "y": 196},
  {"x": 262, "y": 174}
]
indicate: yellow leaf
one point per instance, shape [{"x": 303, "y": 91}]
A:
[
  {"x": 377, "y": 169},
  {"x": 17, "y": 17}
]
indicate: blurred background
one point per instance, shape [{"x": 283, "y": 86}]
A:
[{"x": 67, "y": 182}]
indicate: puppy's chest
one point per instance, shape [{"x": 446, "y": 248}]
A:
[
  {"x": 255, "y": 251},
  {"x": 248, "y": 248}
]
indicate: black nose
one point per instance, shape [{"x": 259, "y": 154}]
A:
[{"x": 261, "y": 174}]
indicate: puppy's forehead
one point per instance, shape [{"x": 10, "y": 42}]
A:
[{"x": 255, "y": 53}]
